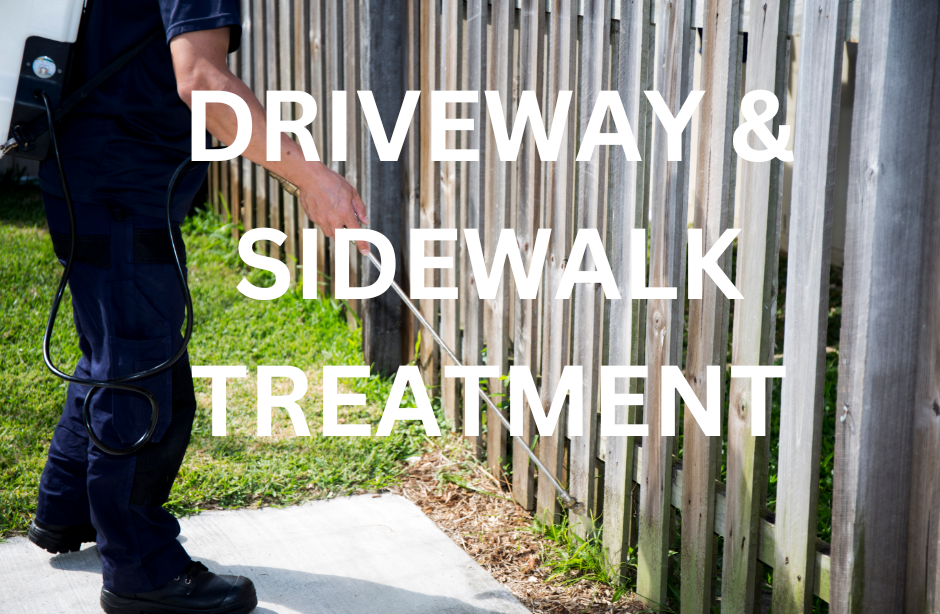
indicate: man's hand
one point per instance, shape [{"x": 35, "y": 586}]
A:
[
  {"x": 332, "y": 203},
  {"x": 327, "y": 198}
]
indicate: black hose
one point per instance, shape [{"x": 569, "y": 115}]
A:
[{"x": 117, "y": 383}]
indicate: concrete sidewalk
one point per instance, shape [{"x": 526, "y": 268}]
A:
[{"x": 352, "y": 555}]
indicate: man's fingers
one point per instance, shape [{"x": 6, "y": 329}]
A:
[
  {"x": 360, "y": 208},
  {"x": 362, "y": 246}
]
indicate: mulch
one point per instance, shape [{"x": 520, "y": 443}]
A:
[{"x": 480, "y": 516}]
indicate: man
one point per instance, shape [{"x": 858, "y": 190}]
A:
[{"x": 119, "y": 149}]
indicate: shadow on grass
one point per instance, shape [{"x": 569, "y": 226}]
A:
[{"x": 20, "y": 203}]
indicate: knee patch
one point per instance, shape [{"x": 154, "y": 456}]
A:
[{"x": 159, "y": 463}]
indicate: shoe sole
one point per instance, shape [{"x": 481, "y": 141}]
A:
[
  {"x": 113, "y": 604},
  {"x": 56, "y": 543}
]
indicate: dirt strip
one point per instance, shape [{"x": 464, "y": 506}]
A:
[{"x": 477, "y": 513}]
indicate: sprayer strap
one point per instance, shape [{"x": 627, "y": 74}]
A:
[{"x": 40, "y": 125}]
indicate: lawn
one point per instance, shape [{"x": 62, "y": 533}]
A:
[{"x": 240, "y": 469}]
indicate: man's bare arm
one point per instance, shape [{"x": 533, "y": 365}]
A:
[{"x": 199, "y": 64}]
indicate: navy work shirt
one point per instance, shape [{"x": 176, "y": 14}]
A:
[{"x": 122, "y": 144}]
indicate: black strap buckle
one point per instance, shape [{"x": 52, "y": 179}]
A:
[{"x": 25, "y": 140}]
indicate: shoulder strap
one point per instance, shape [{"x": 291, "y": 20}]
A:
[{"x": 38, "y": 126}]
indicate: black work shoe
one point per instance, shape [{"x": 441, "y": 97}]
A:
[
  {"x": 57, "y": 539},
  {"x": 195, "y": 591}
]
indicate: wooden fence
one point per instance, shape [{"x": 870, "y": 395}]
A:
[{"x": 884, "y": 555}]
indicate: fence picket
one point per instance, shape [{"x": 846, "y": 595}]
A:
[
  {"x": 234, "y": 194},
  {"x": 285, "y": 52},
  {"x": 354, "y": 153},
  {"x": 496, "y": 214},
  {"x": 626, "y": 213},
  {"x": 588, "y": 298},
  {"x": 429, "y": 181},
  {"x": 804, "y": 344},
  {"x": 274, "y": 193},
  {"x": 471, "y": 309},
  {"x": 563, "y": 33},
  {"x": 334, "y": 81},
  {"x": 315, "y": 71},
  {"x": 668, "y": 203},
  {"x": 754, "y": 317},
  {"x": 528, "y": 216},
  {"x": 708, "y": 318},
  {"x": 448, "y": 188}
]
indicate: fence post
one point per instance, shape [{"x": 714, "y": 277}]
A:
[
  {"x": 888, "y": 375},
  {"x": 669, "y": 203},
  {"x": 383, "y": 23}
]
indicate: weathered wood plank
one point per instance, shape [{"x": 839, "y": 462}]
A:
[
  {"x": 814, "y": 168},
  {"x": 258, "y": 84},
  {"x": 448, "y": 188},
  {"x": 589, "y": 299},
  {"x": 247, "y": 75},
  {"x": 354, "y": 154},
  {"x": 883, "y": 559},
  {"x": 286, "y": 45},
  {"x": 629, "y": 180},
  {"x": 496, "y": 205},
  {"x": 234, "y": 195},
  {"x": 708, "y": 317},
  {"x": 334, "y": 82},
  {"x": 669, "y": 203},
  {"x": 319, "y": 88},
  {"x": 795, "y": 25},
  {"x": 462, "y": 185},
  {"x": 411, "y": 161},
  {"x": 923, "y": 560},
  {"x": 272, "y": 78},
  {"x": 429, "y": 181},
  {"x": 767, "y": 529},
  {"x": 528, "y": 217},
  {"x": 472, "y": 310},
  {"x": 754, "y": 316},
  {"x": 563, "y": 33}
]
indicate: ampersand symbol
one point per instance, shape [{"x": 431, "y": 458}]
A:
[{"x": 756, "y": 123}]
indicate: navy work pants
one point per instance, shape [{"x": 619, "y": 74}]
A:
[{"x": 128, "y": 309}]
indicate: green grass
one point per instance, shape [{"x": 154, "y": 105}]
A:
[
  {"x": 238, "y": 470},
  {"x": 574, "y": 559}
]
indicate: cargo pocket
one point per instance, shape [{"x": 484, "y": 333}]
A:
[{"x": 139, "y": 340}]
